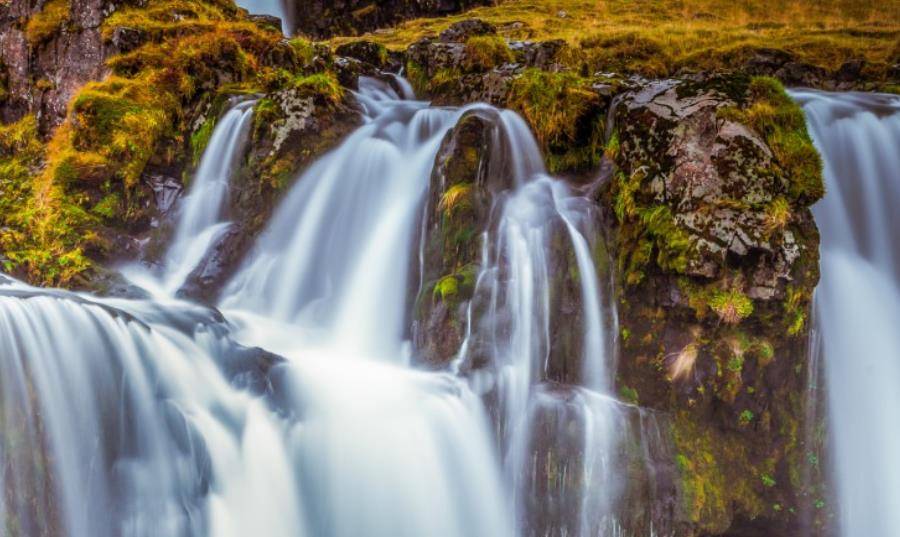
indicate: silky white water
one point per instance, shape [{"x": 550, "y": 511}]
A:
[
  {"x": 164, "y": 418},
  {"x": 201, "y": 214},
  {"x": 858, "y": 300}
]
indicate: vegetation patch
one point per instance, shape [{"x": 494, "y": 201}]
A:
[
  {"x": 92, "y": 164},
  {"x": 484, "y": 52},
  {"x": 47, "y": 22},
  {"x": 564, "y": 114}
]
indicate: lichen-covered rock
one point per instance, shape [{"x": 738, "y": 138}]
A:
[{"x": 717, "y": 260}]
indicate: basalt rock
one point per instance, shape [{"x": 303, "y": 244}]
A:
[
  {"x": 44, "y": 69},
  {"x": 717, "y": 260},
  {"x": 456, "y": 214}
]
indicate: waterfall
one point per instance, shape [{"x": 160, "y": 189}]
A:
[
  {"x": 117, "y": 421},
  {"x": 283, "y": 9},
  {"x": 294, "y": 409},
  {"x": 200, "y": 214},
  {"x": 858, "y": 300}
]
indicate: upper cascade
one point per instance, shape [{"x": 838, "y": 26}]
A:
[{"x": 200, "y": 221}]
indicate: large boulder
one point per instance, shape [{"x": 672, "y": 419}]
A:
[{"x": 717, "y": 260}]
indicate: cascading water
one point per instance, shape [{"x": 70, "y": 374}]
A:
[
  {"x": 858, "y": 300},
  {"x": 283, "y": 9},
  {"x": 117, "y": 422},
  {"x": 147, "y": 418},
  {"x": 200, "y": 214}
]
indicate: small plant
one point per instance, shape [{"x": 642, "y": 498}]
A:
[
  {"x": 731, "y": 306},
  {"x": 746, "y": 417},
  {"x": 768, "y": 481},
  {"x": 629, "y": 395},
  {"x": 778, "y": 215}
]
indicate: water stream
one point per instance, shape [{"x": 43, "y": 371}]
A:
[
  {"x": 201, "y": 214},
  {"x": 858, "y": 300},
  {"x": 294, "y": 409}
]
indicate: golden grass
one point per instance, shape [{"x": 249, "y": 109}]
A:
[{"x": 659, "y": 36}]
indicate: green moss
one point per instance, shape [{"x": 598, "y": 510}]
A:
[
  {"x": 732, "y": 306},
  {"x": 716, "y": 475},
  {"x": 672, "y": 243},
  {"x": 456, "y": 287},
  {"x": 108, "y": 207},
  {"x": 200, "y": 138},
  {"x": 304, "y": 49},
  {"x": 553, "y": 104},
  {"x": 795, "y": 303},
  {"x": 484, "y": 52},
  {"x": 629, "y": 395},
  {"x": 47, "y": 22},
  {"x": 612, "y": 146},
  {"x": 321, "y": 86},
  {"x": 781, "y": 122}
]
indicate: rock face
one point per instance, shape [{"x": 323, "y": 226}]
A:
[
  {"x": 48, "y": 57},
  {"x": 717, "y": 258},
  {"x": 323, "y": 18}
]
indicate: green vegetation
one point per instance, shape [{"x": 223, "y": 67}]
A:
[
  {"x": 746, "y": 417},
  {"x": 658, "y": 37},
  {"x": 628, "y": 395},
  {"x": 486, "y": 52},
  {"x": 780, "y": 121},
  {"x": 116, "y": 127},
  {"x": 732, "y": 306},
  {"x": 563, "y": 113},
  {"x": 47, "y": 22}
]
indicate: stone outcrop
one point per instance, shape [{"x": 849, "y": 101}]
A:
[
  {"x": 43, "y": 62},
  {"x": 717, "y": 258}
]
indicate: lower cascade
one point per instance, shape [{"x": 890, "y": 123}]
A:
[
  {"x": 858, "y": 300},
  {"x": 300, "y": 406}
]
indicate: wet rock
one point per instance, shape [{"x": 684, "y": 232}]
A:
[
  {"x": 364, "y": 51},
  {"x": 292, "y": 128},
  {"x": 457, "y": 211},
  {"x": 165, "y": 190}
]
